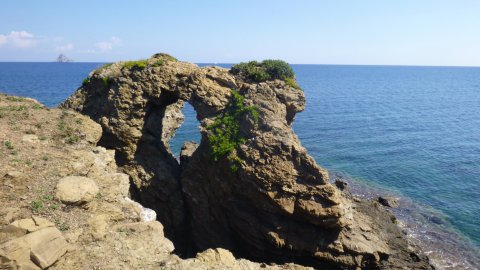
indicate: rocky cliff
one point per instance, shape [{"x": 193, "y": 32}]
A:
[
  {"x": 64, "y": 205},
  {"x": 249, "y": 186}
]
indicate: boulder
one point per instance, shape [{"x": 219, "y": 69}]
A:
[
  {"x": 32, "y": 224},
  {"x": 388, "y": 201},
  {"x": 46, "y": 246},
  {"x": 76, "y": 190},
  {"x": 37, "y": 250}
]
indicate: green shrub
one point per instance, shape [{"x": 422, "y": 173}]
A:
[
  {"x": 37, "y": 106},
  {"x": 8, "y": 145},
  {"x": 106, "y": 81},
  {"x": 72, "y": 138},
  {"x": 70, "y": 134},
  {"x": 158, "y": 63},
  {"x": 37, "y": 206},
  {"x": 291, "y": 82},
  {"x": 15, "y": 99},
  {"x": 85, "y": 81},
  {"x": 278, "y": 69},
  {"x": 226, "y": 133},
  {"x": 140, "y": 64},
  {"x": 63, "y": 227},
  {"x": 264, "y": 71},
  {"x": 165, "y": 57}
]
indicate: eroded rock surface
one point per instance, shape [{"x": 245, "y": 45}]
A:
[
  {"x": 276, "y": 205},
  {"x": 76, "y": 190},
  {"x": 108, "y": 231}
]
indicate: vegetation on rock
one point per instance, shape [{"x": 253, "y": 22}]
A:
[
  {"x": 165, "y": 57},
  {"x": 98, "y": 70},
  {"x": 140, "y": 64},
  {"x": 106, "y": 81},
  {"x": 227, "y": 134},
  {"x": 265, "y": 71}
]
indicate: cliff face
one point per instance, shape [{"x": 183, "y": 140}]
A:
[
  {"x": 266, "y": 198},
  {"x": 65, "y": 206}
]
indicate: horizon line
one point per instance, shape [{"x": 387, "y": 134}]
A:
[{"x": 225, "y": 63}]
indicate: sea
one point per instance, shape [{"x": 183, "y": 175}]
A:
[{"x": 410, "y": 132}]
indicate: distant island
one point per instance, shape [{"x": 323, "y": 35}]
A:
[{"x": 63, "y": 59}]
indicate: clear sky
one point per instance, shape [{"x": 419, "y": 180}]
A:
[{"x": 401, "y": 32}]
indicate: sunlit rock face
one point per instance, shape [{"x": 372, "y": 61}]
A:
[{"x": 271, "y": 202}]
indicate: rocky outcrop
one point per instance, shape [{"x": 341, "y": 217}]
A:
[
  {"x": 35, "y": 244},
  {"x": 76, "y": 190},
  {"x": 267, "y": 199},
  {"x": 44, "y": 225}
]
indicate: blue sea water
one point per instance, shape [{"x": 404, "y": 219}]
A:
[{"x": 413, "y": 132}]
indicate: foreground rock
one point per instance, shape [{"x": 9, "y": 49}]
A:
[
  {"x": 76, "y": 190},
  {"x": 267, "y": 199},
  {"x": 32, "y": 244},
  {"x": 106, "y": 231}
]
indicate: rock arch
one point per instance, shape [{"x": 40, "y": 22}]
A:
[{"x": 278, "y": 205}]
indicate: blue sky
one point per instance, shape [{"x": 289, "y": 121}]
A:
[{"x": 402, "y": 32}]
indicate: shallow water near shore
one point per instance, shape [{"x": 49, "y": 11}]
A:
[
  {"x": 412, "y": 132},
  {"x": 424, "y": 226}
]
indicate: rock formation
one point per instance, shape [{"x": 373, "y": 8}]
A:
[
  {"x": 265, "y": 200},
  {"x": 49, "y": 169}
]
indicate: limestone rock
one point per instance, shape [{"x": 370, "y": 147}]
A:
[
  {"x": 99, "y": 226},
  {"x": 30, "y": 138},
  {"x": 10, "y": 232},
  {"x": 37, "y": 250},
  {"x": 186, "y": 152},
  {"x": 76, "y": 190},
  {"x": 277, "y": 203},
  {"x": 32, "y": 224},
  {"x": 47, "y": 246},
  {"x": 221, "y": 259}
]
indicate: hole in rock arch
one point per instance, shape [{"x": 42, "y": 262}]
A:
[{"x": 188, "y": 131}]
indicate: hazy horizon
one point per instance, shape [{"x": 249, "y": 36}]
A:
[
  {"x": 232, "y": 63},
  {"x": 346, "y": 32}
]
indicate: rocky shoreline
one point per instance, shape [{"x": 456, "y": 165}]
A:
[
  {"x": 424, "y": 228},
  {"x": 266, "y": 200}
]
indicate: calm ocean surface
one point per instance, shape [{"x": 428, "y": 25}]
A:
[{"x": 413, "y": 132}]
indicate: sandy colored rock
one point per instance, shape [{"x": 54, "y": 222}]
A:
[
  {"x": 13, "y": 174},
  {"x": 32, "y": 224},
  {"x": 76, "y": 190},
  {"x": 222, "y": 259},
  {"x": 98, "y": 226},
  {"x": 47, "y": 246},
  {"x": 277, "y": 203},
  {"x": 29, "y": 138},
  {"x": 37, "y": 250},
  {"x": 10, "y": 232}
]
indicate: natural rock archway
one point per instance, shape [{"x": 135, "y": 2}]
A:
[{"x": 270, "y": 202}]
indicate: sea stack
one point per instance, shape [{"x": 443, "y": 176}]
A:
[{"x": 265, "y": 198}]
